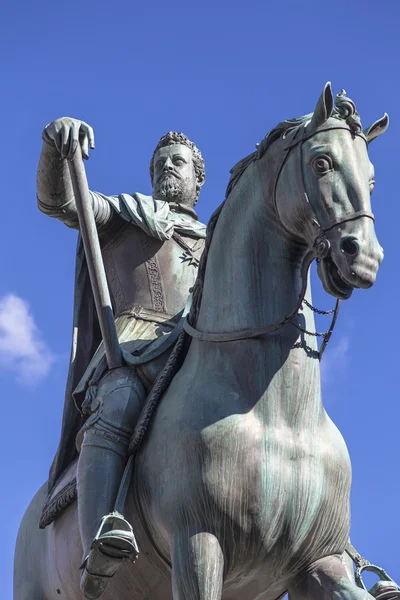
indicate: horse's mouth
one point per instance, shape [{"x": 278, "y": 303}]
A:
[{"x": 333, "y": 280}]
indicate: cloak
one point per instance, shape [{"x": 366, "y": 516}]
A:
[{"x": 158, "y": 219}]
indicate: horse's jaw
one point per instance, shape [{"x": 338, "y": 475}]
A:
[{"x": 333, "y": 280}]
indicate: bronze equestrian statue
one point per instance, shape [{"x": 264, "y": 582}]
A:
[{"x": 241, "y": 487}]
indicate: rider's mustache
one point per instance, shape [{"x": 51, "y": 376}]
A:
[{"x": 169, "y": 172}]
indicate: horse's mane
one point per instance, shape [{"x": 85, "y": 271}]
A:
[{"x": 343, "y": 110}]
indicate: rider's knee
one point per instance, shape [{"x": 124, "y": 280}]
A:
[
  {"x": 119, "y": 397},
  {"x": 115, "y": 407},
  {"x": 100, "y": 437}
]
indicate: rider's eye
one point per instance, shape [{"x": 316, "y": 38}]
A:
[
  {"x": 322, "y": 164},
  {"x": 371, "y": 186}
]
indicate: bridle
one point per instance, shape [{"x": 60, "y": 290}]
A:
[
  {"x": 315, "y": 235},
  {"x": 314, "y": 232}
]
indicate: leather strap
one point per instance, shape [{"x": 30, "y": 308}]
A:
[
  {"x": 295, "y": 137},
  {"x": 243, "y": 334},
  {"x": 357, "y": 215}
]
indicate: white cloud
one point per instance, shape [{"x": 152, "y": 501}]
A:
[
  {"x": 335, "y": 360},
  {"x": 22, "y": 349}
]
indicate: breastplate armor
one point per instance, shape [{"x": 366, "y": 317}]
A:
[{"x": 148, "y": 276}]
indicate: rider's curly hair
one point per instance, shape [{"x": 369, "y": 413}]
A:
[{"x": 173, "y": 137}]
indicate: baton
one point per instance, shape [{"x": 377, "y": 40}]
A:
[{"x": 94, "y": 259}]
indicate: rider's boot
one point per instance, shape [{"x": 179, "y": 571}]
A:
[{"x": 107, "y": 538}]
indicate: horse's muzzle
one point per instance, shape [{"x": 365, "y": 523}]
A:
[{"x": 356, "y": 252}]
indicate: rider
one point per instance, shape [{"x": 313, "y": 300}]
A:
[{"x": 150, "y": 248}]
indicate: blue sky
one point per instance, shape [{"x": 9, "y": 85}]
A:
[{"x": 224, "y": 73}]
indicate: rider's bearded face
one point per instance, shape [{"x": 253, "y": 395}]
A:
[{"x": 174, "y": 178}]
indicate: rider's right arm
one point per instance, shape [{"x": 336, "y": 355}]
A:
[{"x": 55, "y": 194}]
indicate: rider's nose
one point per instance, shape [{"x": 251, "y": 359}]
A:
[
  {"x": 349, "y": 246},
  {"x": 167, "y": 165}
]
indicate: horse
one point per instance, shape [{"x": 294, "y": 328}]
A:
[{"x": 241, "y": 487}]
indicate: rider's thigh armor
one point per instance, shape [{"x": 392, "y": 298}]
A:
[{"x": 115, "y": 410}]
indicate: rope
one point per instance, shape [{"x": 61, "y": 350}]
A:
[
  {"x": 160, "y": 386},
  {"x": 197, "y": 292}
]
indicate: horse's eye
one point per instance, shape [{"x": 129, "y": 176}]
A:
[
  {"x": 322, "y": 164},
  {"x": 371, "y": 186}
]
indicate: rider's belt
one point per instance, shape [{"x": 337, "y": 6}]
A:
[{"x": 146, "y": 314}]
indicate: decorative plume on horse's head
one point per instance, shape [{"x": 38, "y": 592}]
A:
[{"x": 345, "y": 110}]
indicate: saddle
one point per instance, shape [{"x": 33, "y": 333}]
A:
[{"x": 62, "y": 495}]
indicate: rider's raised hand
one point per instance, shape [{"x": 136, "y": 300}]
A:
[{"x": 66, "y": 133}]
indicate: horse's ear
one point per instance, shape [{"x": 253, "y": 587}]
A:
[
  {"x": 324, "y": 107},
  {"x": 377, "y": 128}
]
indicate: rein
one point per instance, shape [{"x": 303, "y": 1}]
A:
[
  {"x": 319, "y": 247},
  {"x": 243, "y": 334}
]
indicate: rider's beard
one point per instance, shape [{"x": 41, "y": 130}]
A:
[{"x": 172, "y": 189}]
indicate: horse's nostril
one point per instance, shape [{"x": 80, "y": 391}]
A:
[{"x": 349, "y": 246}]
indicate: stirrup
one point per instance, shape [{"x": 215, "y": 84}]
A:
[
  {"x": 115, "y": 537},
  {"x": 113, "y": 544}
]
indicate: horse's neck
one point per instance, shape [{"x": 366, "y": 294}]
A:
[
  {"x": 253, "y": 268},
  {"x": 253, "y": 278}
]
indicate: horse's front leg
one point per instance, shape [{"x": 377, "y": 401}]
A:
[
  {"x": 197, "y": 566},
  {"x": 327, "y": 579}
]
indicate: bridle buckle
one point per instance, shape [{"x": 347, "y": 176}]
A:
[{"x": 322, "y": 247}]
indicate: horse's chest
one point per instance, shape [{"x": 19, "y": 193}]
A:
[{"x": 273, "y": 480}]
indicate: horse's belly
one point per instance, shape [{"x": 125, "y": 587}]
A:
[{"x": 283, "y": 491}]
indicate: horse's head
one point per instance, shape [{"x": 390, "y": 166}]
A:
[{"x": 323, "y": 192}]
